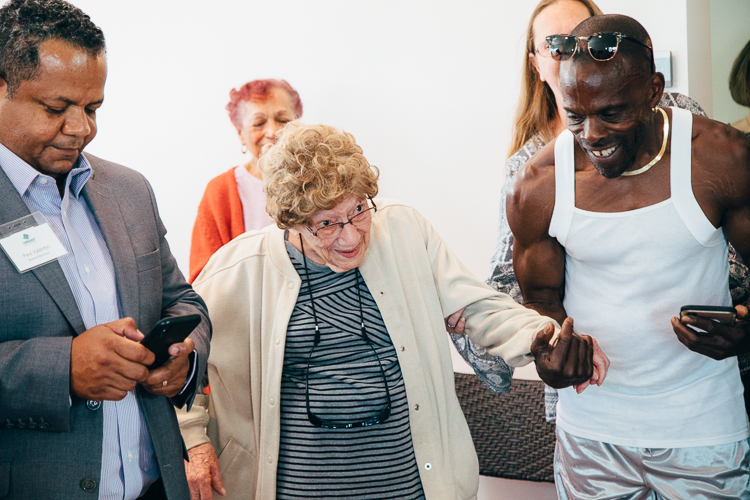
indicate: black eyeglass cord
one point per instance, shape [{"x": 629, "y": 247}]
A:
[
  {"x": 363, "y": 330},
  {"x": 387, "y": 410},
  {"x": 309, "y": 291}
]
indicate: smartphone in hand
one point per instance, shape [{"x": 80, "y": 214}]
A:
[
  {"x": 720, "y": 314},
  {"x": 168, "y": 331}
]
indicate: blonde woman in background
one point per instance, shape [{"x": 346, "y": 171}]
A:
[{"x": 540, "y": 117}]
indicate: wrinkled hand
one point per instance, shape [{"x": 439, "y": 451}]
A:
[
  {"x": 719, "y": 341},
  {"x": 107, "y": 361},
  {"x": 601, "y": 366},
  {"x": 174, "y": 371},
  {"x": 570, "y": 362},
  {"x": 456, "y": 322},
  {"x": 203, "y": 473}
]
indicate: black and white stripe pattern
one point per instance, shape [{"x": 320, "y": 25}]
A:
[{"x": 346, "y": 383}]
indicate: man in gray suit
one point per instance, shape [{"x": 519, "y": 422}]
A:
[{"x": 81, "y": 414}]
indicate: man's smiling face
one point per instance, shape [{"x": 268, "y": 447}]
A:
[{"x": 608, "y": 110}]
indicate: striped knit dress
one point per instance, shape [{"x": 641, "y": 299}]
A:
[{"x": 344, "y": 383}]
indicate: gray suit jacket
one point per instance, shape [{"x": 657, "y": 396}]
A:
[{"x": 48, "y": 448}]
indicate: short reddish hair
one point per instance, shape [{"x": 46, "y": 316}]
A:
[{"x": 259, "y": 91}]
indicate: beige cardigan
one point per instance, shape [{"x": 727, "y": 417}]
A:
[{"x": 251, "y": 288}]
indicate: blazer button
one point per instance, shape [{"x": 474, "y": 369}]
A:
[
  {"x": 93, "y": 405},
  {"x": 88, "y": 485}
]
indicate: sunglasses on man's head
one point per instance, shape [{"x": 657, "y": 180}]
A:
[{"x": 601, "y": 46}]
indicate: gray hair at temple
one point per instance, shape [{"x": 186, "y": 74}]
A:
[
  {"x": 26, "y": 24},
  {"x": 617, "y": 23}
]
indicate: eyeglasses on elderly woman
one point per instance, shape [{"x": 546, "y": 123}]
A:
[
  {"x": 601, "y": 46},
  {"x": 329, "y": 230}
]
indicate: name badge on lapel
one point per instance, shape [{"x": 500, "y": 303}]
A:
[{"x": 29, "y": 242}]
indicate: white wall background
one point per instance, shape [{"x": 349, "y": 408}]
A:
[
  {"x": 418, "y": 83},
  {"x": 428, "y": 88}
]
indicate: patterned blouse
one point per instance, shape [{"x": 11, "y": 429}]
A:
[{"x": 492, "y": 370}]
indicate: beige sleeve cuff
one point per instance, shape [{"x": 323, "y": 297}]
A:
[{"x": 193, "y": 423}]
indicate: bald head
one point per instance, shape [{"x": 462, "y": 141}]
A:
[
  {"x": 632, "y": 64},
  {"x": 640, "y": 57}
]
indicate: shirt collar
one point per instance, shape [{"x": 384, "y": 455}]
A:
[{"x": 22, "y": 175}]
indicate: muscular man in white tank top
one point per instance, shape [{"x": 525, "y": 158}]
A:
[{"x": 644, "y": 202}]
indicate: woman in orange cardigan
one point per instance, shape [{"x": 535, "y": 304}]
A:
[{"x": 234, "y": 202}]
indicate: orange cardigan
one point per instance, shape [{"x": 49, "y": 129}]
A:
[{"x": 219, "y": 221}]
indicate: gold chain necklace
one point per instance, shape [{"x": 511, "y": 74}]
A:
[{"x": 661, "y": 153}]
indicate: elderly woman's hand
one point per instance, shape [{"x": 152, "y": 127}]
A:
[
  {"x": 203, "y": 473},
  {"x": 456, "y": 322}
]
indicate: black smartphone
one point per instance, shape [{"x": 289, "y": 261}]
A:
[
  {"x": 168, "y": 331},
  {"x": 721, "y": 314}
]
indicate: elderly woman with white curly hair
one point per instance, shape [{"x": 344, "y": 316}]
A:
[{"x": 330, "y": 372}]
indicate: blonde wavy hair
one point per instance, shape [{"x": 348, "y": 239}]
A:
[
  {"x": 310, "y": 169},
  {"x": 537, "y": 108}
]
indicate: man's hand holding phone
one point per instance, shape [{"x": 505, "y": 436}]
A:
[
  {"x": 716, "y": 340},
  {"x": 171, "y": 347},
  {"x": 169, "y": 378},
  {"x": 107, "y": 361}
]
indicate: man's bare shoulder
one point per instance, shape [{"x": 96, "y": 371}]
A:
[
  {"x": 715, "y": 139},
  {"x": 531, "y": 197},
  {"x": 536, "y": 179},
  {"x": 721, "y": 156}
]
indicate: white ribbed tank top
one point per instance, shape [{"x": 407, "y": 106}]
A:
[{"x": 626, "y": 275}]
